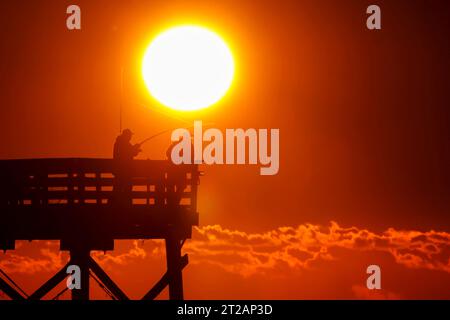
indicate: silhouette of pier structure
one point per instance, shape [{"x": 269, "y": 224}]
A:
[{"x": 77, "y": 202}]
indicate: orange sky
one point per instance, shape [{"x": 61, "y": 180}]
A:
[{"x": 364, "y": 133}]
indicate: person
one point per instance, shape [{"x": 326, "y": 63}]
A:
[
  {"x": 123, "y": 149},
  {"x": 123, "y": 153},
  {"x": 170, "y": 148},
  {"x": 176, "y": 178}
]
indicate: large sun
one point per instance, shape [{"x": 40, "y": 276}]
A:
[{"x": 188, "y": 68}]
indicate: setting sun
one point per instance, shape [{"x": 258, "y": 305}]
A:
[{"x": 188, "y": 68}]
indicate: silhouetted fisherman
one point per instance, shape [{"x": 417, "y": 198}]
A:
[
  {"x": 123, "y": 149},
  {"x": 123, "y": 154},
  {"x": 176, "y": 182}
]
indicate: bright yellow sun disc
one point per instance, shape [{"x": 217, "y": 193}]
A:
[{"x": 188, "y": 68}]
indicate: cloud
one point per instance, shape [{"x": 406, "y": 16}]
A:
[
  {"x": 299, "y": 247},
  {"x": 248, "y": 254},
  {"x": 135, "y": 252},
  {"x": 47, "y": 259}
]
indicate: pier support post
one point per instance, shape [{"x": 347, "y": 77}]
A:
[{"x": 174, "y": 268}]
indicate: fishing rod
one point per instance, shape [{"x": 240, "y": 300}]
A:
[
  {"x": 153, "y": 136},
  {"x": 177, "y": 118},
  {"x": 165, "y": 131}
]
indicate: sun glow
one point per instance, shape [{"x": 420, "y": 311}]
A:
[{"x": 188, "y": 68}]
